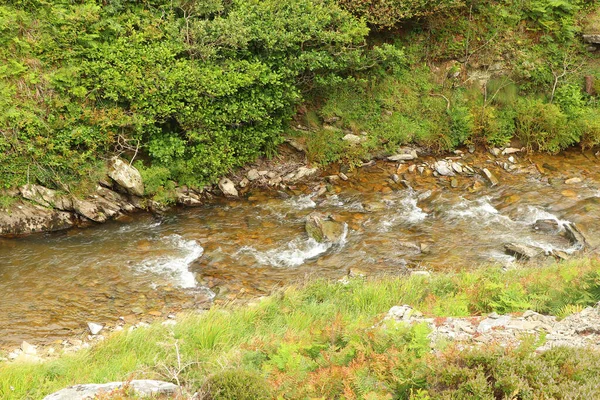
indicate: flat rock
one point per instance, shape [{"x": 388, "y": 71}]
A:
[
  {"x": 523, "y": 252},
  {"x": 572, "y": 181},
  {"x": 324, "y": 229},
  {"x": 593, "y": 38},
  {"x": 300, "y": 173},
  {"x": 143, "y": 388},
  {"x": 547, "y": 225},
  {"x": 252, "y": 175},
  {"x": 126, "y": 176},
  {"x": 493, "y": 180},
  {"x": 352, "y": 139},
  {"x": 25, "y": 217},
  {"x": 46, "y": 197},
  {"x": 89, "y": 209}
]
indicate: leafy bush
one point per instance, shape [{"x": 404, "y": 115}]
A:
[
  {"x": 237, "y": 384},
  {"x": 387, "y": 13},
  {"x": 543, "y": 126}
]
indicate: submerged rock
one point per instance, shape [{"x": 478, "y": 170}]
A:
[
  {"x": 143, "y": 388},
  {"x": 323, "y": 229},
  {"x": 126, "y": 176},
  {"x": 547, "y": 225}
]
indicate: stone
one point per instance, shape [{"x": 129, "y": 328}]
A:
[
  {"x": 524, "y": 252},
  {"x": 412, "y": 168},
  {"x": 592, "y": 39},
  {"x": 511, "y": 150},
  {"x": 94, "y": 328},
  {"x": 343, "y": 176},
  {"x": 46, "y": 197},
  {"x": 28, "y": 349},
  {"x": 253, "y": 175},
  {"x": 547, "y": 226},
  {"x": 126, "y": 176},
  {"x": 352, "y": 139},
  {"x": 403, "y": 157},
  {"x": 395, "y": 178},
  {"x": 373, "y": 206},
  {"x": 443, "y": 168},
  {"x": 300, "y": 173},
  {"x": 575, "y": 236},
  {"x": 572, "y": 181},
  {"x": 495, "y": 151},
  {"x": 187, "y": 197},
  {"x": 454, "y": 183},
  {"x": 244, "y": 182},
  {"x": 323, "y": 229},
  {"x": 89, "y": 210},
  {"x": 493, "y": 180},
  {"x": 228, "y": 187},
  {"x": 457, "y": 167},
  {"x": 24, "y": 217},
  {"x": 142, "y": 388}
]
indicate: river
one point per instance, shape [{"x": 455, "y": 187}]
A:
[{"x": 147, "y": 267}]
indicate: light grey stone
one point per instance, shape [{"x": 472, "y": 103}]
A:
[
  {"x": 126, "y": 176},
  {"x": 143, "y": 388}
]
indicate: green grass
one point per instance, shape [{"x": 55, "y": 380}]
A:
[{"x": 318, "y": 340}]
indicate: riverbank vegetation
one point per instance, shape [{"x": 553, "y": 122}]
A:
[
  {"x": 323, "y": 339},
  {"x": 189, "y": 90}
]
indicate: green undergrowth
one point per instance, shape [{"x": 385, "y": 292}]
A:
[{"x": 321, "y": 339}]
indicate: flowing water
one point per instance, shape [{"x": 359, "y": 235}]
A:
[{"x": 148, "y": 267}]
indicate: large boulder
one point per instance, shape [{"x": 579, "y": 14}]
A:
[
  {"x": 24, "y": 217},
  {"x": 126, "y": 176},
  {"x": 228, "y": 187},
  {"x": 142, "y": 388},
  {"x": 324, "y": 229},
  {"x": 46, "y": 197}
]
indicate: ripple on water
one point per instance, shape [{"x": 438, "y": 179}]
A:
[
  {"x": 295, "y": 252},
  {"x": 176, "y": 266}
]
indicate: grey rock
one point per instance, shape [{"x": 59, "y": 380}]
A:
[
  {"x": 575, "y": 236},
  {"x": 300, "y": 173},
  {"x": 443, "y": 168},
  {"x": 323, "y": 229},
  {"x": 143, "y": 388},
  {"x": 244, "y": 182},
  {"x": 253, "y": 175},
  {"x": 524, "y": 252},
  {"x": 402, "y": 157},
  {"x": 593, "y": 38},
  {"x": 547, "y": 226},
  {"x": 228, "y": 187},
  {"x": 495, "y": 151},
  {"x": 126, "y": 176},
  {"x": 572, "y": 181},
  {"x": 343, "y": 176},
  {"x": 352, "y": 139},
  {"x": 187, "y": 197},
  {"x": 511, "y": 150},
  {"x": 46, "y": 197},
  {"x": 89, "y": 210},
  {"x": 24, "y": 218},
  {"x": 493, "y": 180},
  {"x": 28, "y": 349}
]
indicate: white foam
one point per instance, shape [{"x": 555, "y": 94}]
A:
[
  {"x": 481, "y": 210},
  {"x": 534, "y": 214},
  {"x": 301, "y": 202},
  {"x": 407, "y": 210},
  {"x": 295, "y": 252},
  {"x": 176, "y": 267}
]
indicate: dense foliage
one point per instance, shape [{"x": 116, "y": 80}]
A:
[
  {"x": 191, "y": 89},
  {"x": 198, "y": 86}
]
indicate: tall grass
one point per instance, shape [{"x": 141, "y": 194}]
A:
[{"x": 317, "y": 339}]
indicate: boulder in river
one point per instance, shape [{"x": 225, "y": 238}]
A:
[
  {"x": 323, "y": 229},
  {"x": 142, "y": 388},
  {"x": 126, "y": 176},
  {"x": 524, "y": 252},
  {"x": 547, "y": 226},
  {"x": 493, "y": 180},
  {"x": 24, "y": 217},
  {"x": 575, "y": 236}
]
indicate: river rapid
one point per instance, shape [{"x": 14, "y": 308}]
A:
[{"x": 146, "y": 267}]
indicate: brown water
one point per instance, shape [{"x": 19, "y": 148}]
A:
[{"x": 53, "y": 284}]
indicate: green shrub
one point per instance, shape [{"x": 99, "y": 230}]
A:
[
  {"x": 237, "y": 384},
  {"x": 543, "y": 126}
]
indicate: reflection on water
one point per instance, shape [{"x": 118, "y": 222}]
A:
[{"x": 53, "y": 284}]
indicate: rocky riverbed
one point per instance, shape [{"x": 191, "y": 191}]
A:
[{"x": 405, "y": 212}]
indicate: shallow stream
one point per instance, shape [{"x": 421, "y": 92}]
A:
[{"x": 51, "y": 285}]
